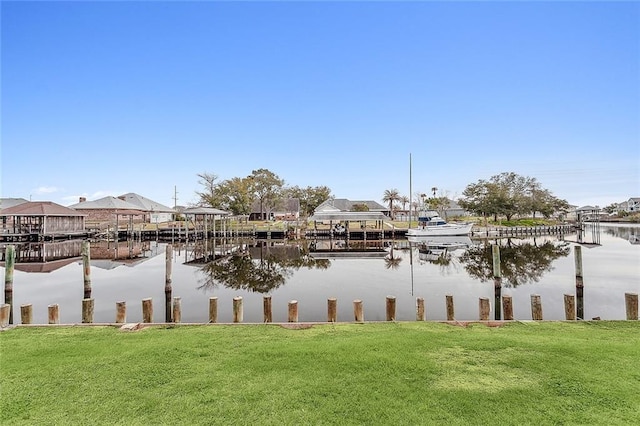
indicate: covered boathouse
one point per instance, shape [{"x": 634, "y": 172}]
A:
[{"x": 41, "y": 220}]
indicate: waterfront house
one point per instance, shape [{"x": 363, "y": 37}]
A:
[
  {"x": 154, "y": 211},
  {"x": 287, "y": 209},
  {"x": 109, "y": 212},
  {"x": 345, "y": 205},
  {"x": 633, "y": 205},
  {"x": 41, "y": 220}
]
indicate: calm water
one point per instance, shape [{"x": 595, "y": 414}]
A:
[{"x": 289, "y": 271}]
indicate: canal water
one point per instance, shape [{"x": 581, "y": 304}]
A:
[{"x": 313, "y": 271}]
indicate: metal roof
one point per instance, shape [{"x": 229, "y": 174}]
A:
[
  {"x": 344, "y": 216},
  {"x": 107, "y": 203},
  {"x": 39, "y": 208},
  {"x": 206, "y": 210},
  {"x": 145, "y": 203},
  {"x": 5, "y": 203}
]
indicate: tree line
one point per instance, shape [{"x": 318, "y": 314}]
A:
[{"x": 504, "y": 195}]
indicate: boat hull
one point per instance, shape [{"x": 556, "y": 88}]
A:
[{"x": 440, "y": 230}]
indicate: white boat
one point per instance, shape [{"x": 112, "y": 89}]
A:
[{"x": 429, "y": 226}]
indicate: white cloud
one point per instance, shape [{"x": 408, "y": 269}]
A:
[{"x": 46, "y": 190}]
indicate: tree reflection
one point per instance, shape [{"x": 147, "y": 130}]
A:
[
  {"x": 260, "y": 269},
  {"x": 520, "y": 263},
  {"x": 391, "y": 261}
]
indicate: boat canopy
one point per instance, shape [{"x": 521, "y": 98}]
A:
[{"x": 349, "y": 216}]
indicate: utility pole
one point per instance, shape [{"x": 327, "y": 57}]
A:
[{"x": 175, "y": 196}]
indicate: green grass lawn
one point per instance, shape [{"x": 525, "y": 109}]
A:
[{"x": 409, "y": 373}]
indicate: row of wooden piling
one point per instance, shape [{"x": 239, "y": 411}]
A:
[{"x": 484, "y": 308}]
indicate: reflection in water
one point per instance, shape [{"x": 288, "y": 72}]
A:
[
  {"x": 261, "y": 268},
  {"x": 520, "y": 262},
  {"x": 631, "y": 234}
]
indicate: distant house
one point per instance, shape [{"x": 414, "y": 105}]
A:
[
  {"x": 345, "y": 205},
  {"x": 45, "y": 219},
  {"x": 154, "y": 212},
  {"x": 633, "y": 205},
  {"x": 587, "y": 213},
  {"x": 108, "y": 211},
  {"x": 5, "y": 203},
  {"x": 288, "y": 209}
]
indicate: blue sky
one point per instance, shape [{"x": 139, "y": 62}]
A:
[{"x": 104, "y": 98}]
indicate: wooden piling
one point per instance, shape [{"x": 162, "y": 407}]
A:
[
  {"x": 53, "y": 314},
  {"x": 450, "y": 311},
  {"x": 293, "y": 311},
  {"x": 631, "y": 304},
  {"x": 213, "y": 310},
  {"x": 579, "y": 283},
  {"x": 267, "y": 309},
  {"x": 569, "y": 307},
  {"x": 485, "y": 308},
  {"x": 536, "y": 307},
  {"x": 358, "y": 311},
  {"x": 5, "y": 309},
  {"x": 177, "y": 309},
  {"x": 507, "y": 306},
  {"x": 420, "y": 311},
  {"x": 147, "y": 310},
  {"x": 497, "y": 281},
  {"x": 391, "y": 308},
  {"x": 121, "y": 312},
  {"x": 168, "y": 289},
  {"x": 237, "y": 309},
  {"x": 332, "y": 309},
  {"x": 87, "y": 310},
  {"x": 9, "y": 265},
  {"x": 86, "y": 268},
  {"x": 26, "y": 313}
]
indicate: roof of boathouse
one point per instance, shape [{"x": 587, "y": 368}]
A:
[
  {"x": 348, "y": 216},
  {"x": 145, "y": 203},
  {"x": 205, "y": 211},
  {"x": 345, "y": 205},
  {"x": 39, "y": 208},
  {"x": 108, "y": 203}
]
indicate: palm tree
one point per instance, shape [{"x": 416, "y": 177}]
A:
[
  {"x": 434, "y": 190},
  {"x": 389, "y": 196},
  {"x": 404, "y": 200}
]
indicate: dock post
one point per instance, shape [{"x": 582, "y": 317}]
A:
[
  {"x": 87, "y": 311},
  {"x": 293, "y": 311},
  {"x": 507, "y": 306},
  {"x": 54, "y": 314},
  {"x": 579, "y": 283},
  {"x": 177, "y": 309},
  {"x": 26, "y": 313},
  {"x": 168, "y": 263},
  {"x": 420, "y": 311},
  {"x": 536, "y": 307},
  {"x": 9, "y": 265},
  {"x": 569, "y": 307},
  {"x": 450, "y": 311},
  {"x": 391, "y": 308},
  {"x": 86, "y": 268},
  {"x": 121, "y": 312},
  {"x": 358, "y": 311},
  {"x": 213, "y": 310},
  {"x": 484, "y": 308},
  {"x": 267, "y": 309},
  {"x": 332, "y": 309},
  {"x": 147, "y": 310},
  {"x": 497, "y": 280},
  {"x": 631, "y": 304},
  {"x": 237, "y": 309},
  {"x": 5, "y": 308}
]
